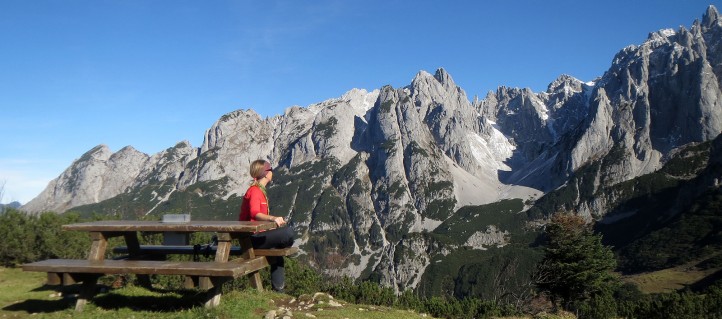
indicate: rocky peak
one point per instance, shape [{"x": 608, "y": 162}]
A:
[
  {"x": 226, "y": 125},
  {"x": 360, "y": 100},
  {"x": 99, "y": 153},
  {"x": 686, "y": 38},
  {"x": 567, "y": 100},
  {"x": 565, "y": 83},
  {"x": 331, "y": 128},
  {"x": 711, "y": 30},
  {"x": 523, "y": 115},
  {"x": 234, "y": 141},
  {"x": 426, "y": 89},
  {"x": 436, "y": 88},
  {"x": 127, "y": 150},
  {"x": 445, "y": 79},
  {"x": 560, "y": 92},
  {"x": 661, "y": 37},
  {"x": 97, "y": 175},
  {"x": 710, "y": 18},
  {"x": 439, "y": 94},
  {"x": 487, "y": 106},
  {"x": 421, "y": 76}
]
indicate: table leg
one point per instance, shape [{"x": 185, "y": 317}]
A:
[
  {"x": 54, "y": 279},
  {"x": 214, "y": 294},
  {"x": 68, "y": 279},
  {"x": 97, "y": 252},
  {"x": 87, "y": 291},
  {"x": 133, "y": 244},
  {"x": 98, "y": 247},
  {"x": 247, "y": 248},
  {"x": 223, "y": 252}
]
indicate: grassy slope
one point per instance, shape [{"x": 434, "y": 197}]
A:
[
  {"x": 672, "y": 279},
  {"x": 23, "y": 294}
]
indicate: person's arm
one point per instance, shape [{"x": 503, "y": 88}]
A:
[
  {"x": 255, "y": 208},
  {"x": 277, "y": 219}
]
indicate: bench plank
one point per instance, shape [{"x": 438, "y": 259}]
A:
[
  {"x": 233, "y": 269},
  {"x": 276, "y": 251},
  {"x": 187, "y": 250}
]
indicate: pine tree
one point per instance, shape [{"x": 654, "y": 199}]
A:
[{"x": 576, "y": 267}]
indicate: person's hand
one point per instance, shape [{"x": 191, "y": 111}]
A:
[{"x": 279, "y": 221}]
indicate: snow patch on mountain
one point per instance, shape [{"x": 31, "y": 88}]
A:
[{"x": 491, "y": 153}]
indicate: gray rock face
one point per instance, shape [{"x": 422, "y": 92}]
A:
[
  {"x": 492, "y": 236},
  {"x": 597, "y": 138},
  {"x": 404, "y": 159},
  {"x": 97, "y": 175},
  {"x": 327, "y": 129},
  {"x": 230, "y": 145},
  {"x": 101, "y": 174},
  {"x": 655, "y": 98}
]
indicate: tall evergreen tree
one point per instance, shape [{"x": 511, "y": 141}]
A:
[{"x": 576, "y": 267}]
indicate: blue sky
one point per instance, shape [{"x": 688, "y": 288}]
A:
[{"x": 76, "y": 74}]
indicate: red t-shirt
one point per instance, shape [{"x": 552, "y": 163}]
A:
[{"x": 254, "y": 202}]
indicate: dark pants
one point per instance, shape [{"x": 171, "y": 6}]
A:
[{"x": 276, "y": 238}]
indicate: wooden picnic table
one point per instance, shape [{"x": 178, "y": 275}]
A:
[{"x": 216, "y": 271}]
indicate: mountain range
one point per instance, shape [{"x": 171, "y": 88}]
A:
[{"x": 420, "y": 187}]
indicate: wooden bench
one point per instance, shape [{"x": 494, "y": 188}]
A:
[
  {"x": 211, "y": 250},
  {"x": 70, "y": 271},
  {"x": 155, "y": 251}
]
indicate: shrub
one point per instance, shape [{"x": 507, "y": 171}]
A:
[
  {"x": 301, "y": 279},
  {"x": 28, "y": 238}
]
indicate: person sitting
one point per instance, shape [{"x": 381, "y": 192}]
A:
[{"x": 255, "y": 208}]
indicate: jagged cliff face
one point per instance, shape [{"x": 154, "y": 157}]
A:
[
  {"x": 656, "y": 97},
  {"x": 363, "y": 177},
  {"x": 101, "y": 174}
]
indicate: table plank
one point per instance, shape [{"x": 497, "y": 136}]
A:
[{"x": 192, "y": 226}]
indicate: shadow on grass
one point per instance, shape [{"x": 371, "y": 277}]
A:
[
  {"x": 56, "y": 288},
  {"x": 706, "y": 282},
  {"x": 46, "y": 306},
  {"x": 175, "y": 300},
  {"x": 41, "y": 306},
  {"x": 181, "y": 300}
]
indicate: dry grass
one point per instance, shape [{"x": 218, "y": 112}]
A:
[{"x": 669, "y": 280}]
